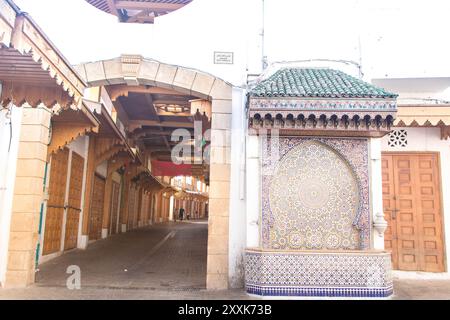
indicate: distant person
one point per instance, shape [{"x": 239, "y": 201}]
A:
[
  {"x": 188, "y": 216},
  {"x": 181, "y": 214}
]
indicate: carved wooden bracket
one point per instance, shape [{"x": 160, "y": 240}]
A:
[
  {"x": 63, "y": 134},
  {"x": 20, "y": 94},
  {"x": 108, "y": 154},
  {"x": 445, "y": 132}
]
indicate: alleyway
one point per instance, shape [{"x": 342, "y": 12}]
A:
[{"x": 169, "y": 256}]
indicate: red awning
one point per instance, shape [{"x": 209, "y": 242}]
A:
[{"x": 170, "y": 169}]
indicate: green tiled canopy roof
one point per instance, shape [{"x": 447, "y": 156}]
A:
[{"x": 316, "y": 83}]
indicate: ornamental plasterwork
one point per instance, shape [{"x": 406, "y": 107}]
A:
[
  {"x": 324, "y": 104},
  {"x": 371, "y": 115},
  {"x": 317, "y": 195}
]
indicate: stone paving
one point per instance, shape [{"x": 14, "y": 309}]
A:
[{"x": 167, "y": 261}]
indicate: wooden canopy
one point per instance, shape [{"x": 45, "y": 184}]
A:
[
  {"x": 32, "y": 70},
  {"x": 138, "y": 11},
  {"x": 422, "y": 115}
]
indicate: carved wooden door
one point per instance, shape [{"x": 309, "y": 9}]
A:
[
  {"x": 96, "y": 215},
  {"x": 74, "y": 205},
  {"x": 412, "y": 205},
  {"x": 55, "y": 205}
]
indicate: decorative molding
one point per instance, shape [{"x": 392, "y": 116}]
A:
[
  {"x": 359, "y": 115},
  {"x": 338, "y": 105}
]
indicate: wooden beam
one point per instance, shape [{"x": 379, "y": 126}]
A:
[
  {"x": 90, "y": 171},
  {"x": 134, "y": 5},
  {"x": 137, "y": 124}
]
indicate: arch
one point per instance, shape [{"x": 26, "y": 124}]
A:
[
  {"x": 135, "y": 71},
  {"x": 301, "y": 185}
]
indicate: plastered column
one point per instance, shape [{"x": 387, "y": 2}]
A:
[
  {"x": 379, "y": 224},
  {"x": 28, "y": 196},
  {"x": 253, "y": 191}
]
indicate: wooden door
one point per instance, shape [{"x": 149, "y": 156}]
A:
[
  {"x": 114, "y": 207},
  {"x": 96, "y": 216},
  {"x": 74, "y": 205},
  {"x": 55, "y": 205},
  {"x": 412, "y": 205}
]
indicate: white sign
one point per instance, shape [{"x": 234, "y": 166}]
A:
[{"x": 223, "y": 57}]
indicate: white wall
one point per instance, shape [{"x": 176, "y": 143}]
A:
[
  {"x": 429, "y": 140},
  {"x": 8, "y": 161},
  {"x": 237, "y": 222}
]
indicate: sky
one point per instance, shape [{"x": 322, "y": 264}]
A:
[{"x": 390, "y": 38}]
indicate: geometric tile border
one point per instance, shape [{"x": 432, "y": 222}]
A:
[{"x": 358, "y": 274}]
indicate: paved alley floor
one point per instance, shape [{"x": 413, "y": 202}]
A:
[
  {"x": 167, "y": 261},
  {"x": 169, "y": 256}
]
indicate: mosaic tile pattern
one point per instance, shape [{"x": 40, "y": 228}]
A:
[
  {"x": 314, "y": 200},
  {"x": 351, "y": 274},
  {"x": 317, "y": 195}
]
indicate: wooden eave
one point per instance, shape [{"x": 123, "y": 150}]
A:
[
  {"x": 433, "y": 115},
  {"x": 69, "y": 125},
  {"x": 423, "y": 115},
  {"x": 108, "y": 128},
  {"x": 31, "y": 66}
]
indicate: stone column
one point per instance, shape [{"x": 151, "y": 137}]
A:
[
  {"x": 220, "y": 178},
  {"x": 376, "y": 195},
  {"x": 253, "y": 186},
  {"x": 28, "y": 196}
]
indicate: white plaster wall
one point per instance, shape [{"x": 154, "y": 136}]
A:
[
  {"x": 253, "y": 191},
  {"x": 237, "y": 222},
  {"x": 102, "y": 169},
  {"x": 376, "y": 191},
  {"x": 78, "y": 146},
  {"x": 8, "y": 161},
  {"x": 429, "y": 140}
]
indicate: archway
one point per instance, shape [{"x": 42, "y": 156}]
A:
[{"x": 135, "y": 78}]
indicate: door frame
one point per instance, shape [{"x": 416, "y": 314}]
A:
[{"x": 441, "y": 194}]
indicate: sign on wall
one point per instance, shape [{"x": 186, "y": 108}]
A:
[{"x": 221, "y": 57}]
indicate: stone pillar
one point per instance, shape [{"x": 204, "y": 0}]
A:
[
  {"x": 376, "y": 195},
  {"x": 253, "y": 191},
  {"x": 28, "y": 196},
  {"x": 220, "y": 178}
]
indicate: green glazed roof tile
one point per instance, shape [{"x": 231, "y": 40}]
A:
[{"x": 317, "y": 83}]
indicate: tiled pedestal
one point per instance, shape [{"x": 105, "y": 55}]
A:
[{"x": 355, "y": 274}]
